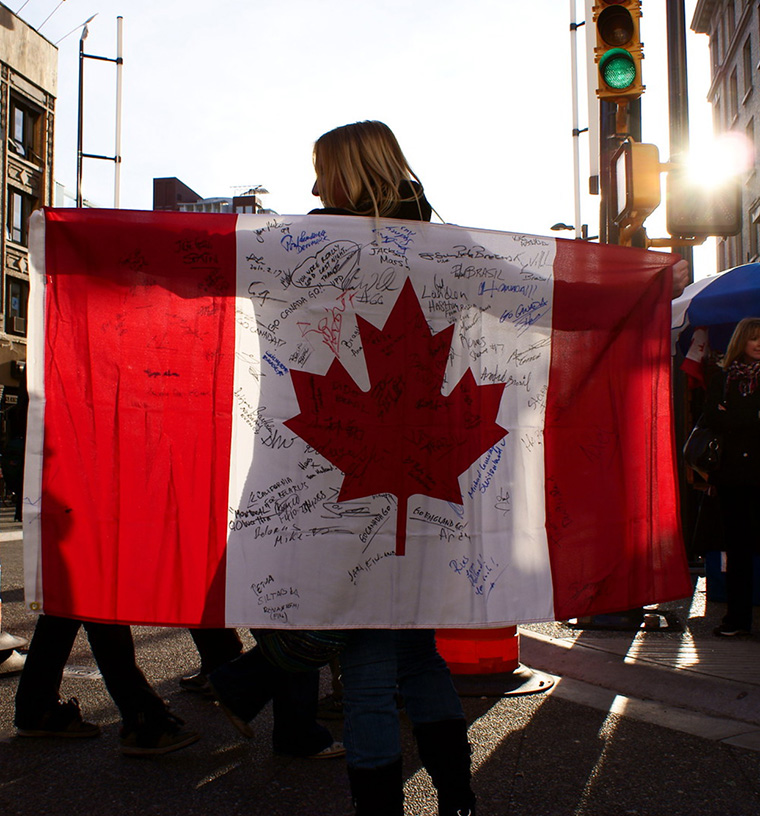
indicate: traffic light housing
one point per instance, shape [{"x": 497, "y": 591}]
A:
[
  {"x": 635, "y": 185},
  {"x": 696, "y": 211},
  {"x": 618, "y": 51}
]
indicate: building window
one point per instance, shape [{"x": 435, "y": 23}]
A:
[
  {"x": 750, "y": 131},
  {"x": 733, "y": 98},
  {"x": 20, "y": 206},
  {"x": 736, "y": 250},
  {"x": 715, "y": 56},
  {"x": 754, "y": 242},
  {"x": 25, "y": 137},
  {"x": 16, "y": 297},
  {"x": 748, "y": 71},
  {"x": 717, "y": 115},
  {"x": 730, "y": 20}
]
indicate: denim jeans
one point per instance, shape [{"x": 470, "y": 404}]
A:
[{"x": 378, "y": 663}]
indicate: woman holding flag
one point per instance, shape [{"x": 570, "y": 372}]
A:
[{"x": 361, "y": 170}]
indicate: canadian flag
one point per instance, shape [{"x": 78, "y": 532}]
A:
[{"x": 335, "y": 422}]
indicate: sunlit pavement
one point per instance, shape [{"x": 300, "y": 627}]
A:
[
  {"x": 681, "y": 676},
  {"x": 638, "y": 724}
]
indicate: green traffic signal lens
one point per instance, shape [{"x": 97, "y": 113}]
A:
[{"x": 618, "y": 69}]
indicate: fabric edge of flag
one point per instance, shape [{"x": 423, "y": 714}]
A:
[{"x": 35, "y": 372}]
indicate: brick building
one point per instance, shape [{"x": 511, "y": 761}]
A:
[{"x": 28, "y": 80}]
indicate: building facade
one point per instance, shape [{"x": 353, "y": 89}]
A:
[
  {"x": 172, "y": 194},
  {"x": 733, "y": 27},
  {"x": 28, "y": 86}
]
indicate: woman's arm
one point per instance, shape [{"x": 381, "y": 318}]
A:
[{"x": 721, "y": 418}]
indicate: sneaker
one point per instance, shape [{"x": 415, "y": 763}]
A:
[
  {"x": 726, "y": 630},
  {"x": 197, "y": 684},
  {"x": 63, "y": 720},
  {"x": 156, "y": 738},
  {"x": 240, "y": 724},
  {"x": 334, "y": 751}
]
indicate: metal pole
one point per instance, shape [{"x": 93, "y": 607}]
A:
[
  {"x": 80, "y": 122},
  {"x": 576, "y": 132},
  {"x": 678, "y": 106},
  {"x": 593, "y": 102},
  {"x": 678, "y": 89},
  {"x": 117, "y": 147}
]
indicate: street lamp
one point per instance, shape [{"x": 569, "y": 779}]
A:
[
  {"x": 584, "y": 230},
  {"x": 116, "y": 159}
]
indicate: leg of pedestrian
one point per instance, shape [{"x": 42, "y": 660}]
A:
[
  {"x": 39, "y": 709},
  {"x": 149, "y": 727}
]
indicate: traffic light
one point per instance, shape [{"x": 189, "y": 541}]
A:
[
  {"x": 696, "y": 210},
  {"x": 635, "y": 185},
  {"x": 618, "y": 51}
]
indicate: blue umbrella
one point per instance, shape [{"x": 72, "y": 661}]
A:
[{"x": 718, "y": 303}]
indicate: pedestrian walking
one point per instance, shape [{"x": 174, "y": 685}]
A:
[
  {"x": 148, "y": 726},
  {"x": 732, "y": 408},
  {"x": 245, "y": 685}
]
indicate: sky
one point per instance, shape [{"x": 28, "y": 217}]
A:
[{"x": 232, "y": 94}]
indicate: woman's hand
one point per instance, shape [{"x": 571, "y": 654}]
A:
[{"x": 680, "y": 278}]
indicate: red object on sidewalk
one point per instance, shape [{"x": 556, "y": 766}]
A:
[{"x": 479, "y": 651}]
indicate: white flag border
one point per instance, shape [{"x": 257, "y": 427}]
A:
[{"x": 35, "y": 436}]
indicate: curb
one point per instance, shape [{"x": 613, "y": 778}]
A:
[{"x": 689, "y": 691}]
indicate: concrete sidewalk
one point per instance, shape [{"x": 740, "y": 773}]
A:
[{"x": 654, "y": 688}]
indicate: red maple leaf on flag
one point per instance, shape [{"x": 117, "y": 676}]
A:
[{"x": 402, "y": 436}]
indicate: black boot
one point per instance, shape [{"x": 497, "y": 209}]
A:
[
  {"x": 445, "y": 753},
  {"x": 378, "y": 791}
]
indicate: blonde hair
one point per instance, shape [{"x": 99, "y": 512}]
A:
[
  {"x": 365, "y": 163},
  {"x": 746, "y": 330}
]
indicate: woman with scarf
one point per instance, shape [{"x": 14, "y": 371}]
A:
[{"x": 733, "y": 408}]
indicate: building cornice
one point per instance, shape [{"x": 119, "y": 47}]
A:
[{"x": 703, "y": 14}]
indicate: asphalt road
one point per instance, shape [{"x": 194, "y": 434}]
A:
[{"x": 539, "y": 755}]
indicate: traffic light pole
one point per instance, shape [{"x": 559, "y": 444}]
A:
[
  {"x": 678, "y": 99},
  {"x": 678, "y": 104},
  {"x": 610, "y": 140}
]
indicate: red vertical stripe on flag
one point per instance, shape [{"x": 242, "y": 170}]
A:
[
  {"x": 139, "y": 357},
  {"x": 611, "y": 492}
]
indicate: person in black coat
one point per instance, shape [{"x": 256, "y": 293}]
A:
[{"x": 732, "y": 407}]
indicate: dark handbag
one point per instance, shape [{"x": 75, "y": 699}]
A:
[{"x": 703, "y": 449}]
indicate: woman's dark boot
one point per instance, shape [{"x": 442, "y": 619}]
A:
[
  {"x": 445, "y": 753},
  {"x": 378, "y": 791}
]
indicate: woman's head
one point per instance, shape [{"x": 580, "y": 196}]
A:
[
  {"x": 360, "y": 167},
  {"x": 744, "y": 345}
]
